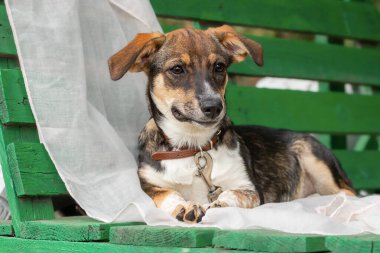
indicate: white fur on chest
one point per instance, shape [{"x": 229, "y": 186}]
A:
[{"x": 228, "y": 172}]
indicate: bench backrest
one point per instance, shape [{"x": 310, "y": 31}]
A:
[{"x": 32, "y": 179}]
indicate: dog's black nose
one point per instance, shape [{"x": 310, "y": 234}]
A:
[{"x": 211, "y": 107}]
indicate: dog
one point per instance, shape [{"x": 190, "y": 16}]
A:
[{"x": 191, "y": 157}]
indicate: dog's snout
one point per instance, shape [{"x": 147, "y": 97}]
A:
[{"x": 211, "y": 107}]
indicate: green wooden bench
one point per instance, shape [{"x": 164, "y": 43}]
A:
[{"x": 330, "y": 55}]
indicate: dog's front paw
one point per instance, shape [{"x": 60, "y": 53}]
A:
[
  {"x": 189, "y": 212},
  {"x": 217, "y": 204}
]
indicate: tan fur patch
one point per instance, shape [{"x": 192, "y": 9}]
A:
[
  {"x": 133, "y": 56},
  {"x": 212, "y": 58},
  {"x": 321, "y": 176},
  {"x": 185, "y": 58},
  {"x": 159, "y": 195},
  {"x": 348, "y": 192},
  {"x": 223, "y": 90},
  {"x": 166, "y": 94},
  {"x": 300, "y": 192},
  {"x": 232, "y": 43},
  {"x": 238, "y": 45},
  {"x": 247, "y": 198},
  {"x": 151, "y": 125},
  {"x": 346, "y": 188},
  {"x": 160, "y": 90},
  {"x": 316, "y": 170},
  {"x": 237, "y": 198},
  {"x": 159, "y": 86},
  {"x": 305, "y": 187}
]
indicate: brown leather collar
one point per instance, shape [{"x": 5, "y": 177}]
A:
[{"x": 183, "y": 153}]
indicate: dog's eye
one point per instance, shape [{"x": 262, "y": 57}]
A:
[
  {"x": 219, "y": 67},
  {"x": 177, "y": 70}
]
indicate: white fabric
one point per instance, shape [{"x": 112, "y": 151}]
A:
[
  {"x": 287, "y": 84},
  {"x": 89, "y": 124}
]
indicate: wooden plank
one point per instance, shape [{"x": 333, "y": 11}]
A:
[
  {"x": 363, "y": 168},
  {"x": 337, "y": 18},
  {"x": 8, "y": 63},
  {"x": 6, "y": 228},
  {"x": 7, "y": 45},
  {"x": 354, "y": 244},
  {"x": 22, "y": 209},
  {"x": 80, "y": 229},
  {"x": 32, "y": 171},
  {"x": 268, "y": 241},
  {"x": 366, "y": 124},
  {"x": 304, "y": 111},
  {"x": 161, "y": 236},
  {"x": 376, "y": 246},
  {"x": 19, "y": 133},
  {"x": 308, "y": 60},
  {"x": 11, "y": 244},
  {"x": 14, "y": 101}
]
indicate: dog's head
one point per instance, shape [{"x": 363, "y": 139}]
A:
[{"x": 186, "y": 70}]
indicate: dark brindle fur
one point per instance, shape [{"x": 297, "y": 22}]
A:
[{"x": 253, "y": 164}]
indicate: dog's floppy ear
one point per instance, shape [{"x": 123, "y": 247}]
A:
[
  {"x": 237, "y": 45},
  {"x": 135, "y": 56}
]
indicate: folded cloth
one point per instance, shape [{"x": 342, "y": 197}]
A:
[{"x": 329, "y": 215}]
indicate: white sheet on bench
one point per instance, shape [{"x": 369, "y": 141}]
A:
[{"x": 89, "y": 124}]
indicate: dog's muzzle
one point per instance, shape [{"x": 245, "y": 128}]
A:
[{"x": 211, "y": 107}]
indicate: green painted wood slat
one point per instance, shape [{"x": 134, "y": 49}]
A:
[
  {"x": 14, "y": 101},
  {"x": 253, "y": 240},
  {"x": 269, "y": 241},
  {"x": 7, "y": 45},
  {"x": 369, "y": 243},
  {"x": 273, "y": 114},
  {"x": 308, "y": 60},
  {"x": 76, "y": 228},
  {"x": 32, "y": 171},
  {"x": 22, "y": 209},
  {"x": 11, "y": 244},
  {"x": 304, "y": 111},
  {"x": 6, "y": 228},
  {"x": 337, "y": 18},
  {"x": 8, "y": 63},
  {"x": 362, "y": 167},
  {"x": 160, "y": 236},
  {"x": 18, "y": 133}
]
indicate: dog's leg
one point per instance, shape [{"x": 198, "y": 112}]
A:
[
  {"x": 173, "y": 203},
  {"x": 244, "y": 198},
  {"x": 321, "y": 167}
]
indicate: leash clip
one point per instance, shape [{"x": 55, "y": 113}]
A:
[
  {"x": 204, "y": 162},
  {"x": 214, "y": 193}
]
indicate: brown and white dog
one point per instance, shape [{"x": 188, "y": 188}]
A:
[{"x": 251, "y": 165}]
